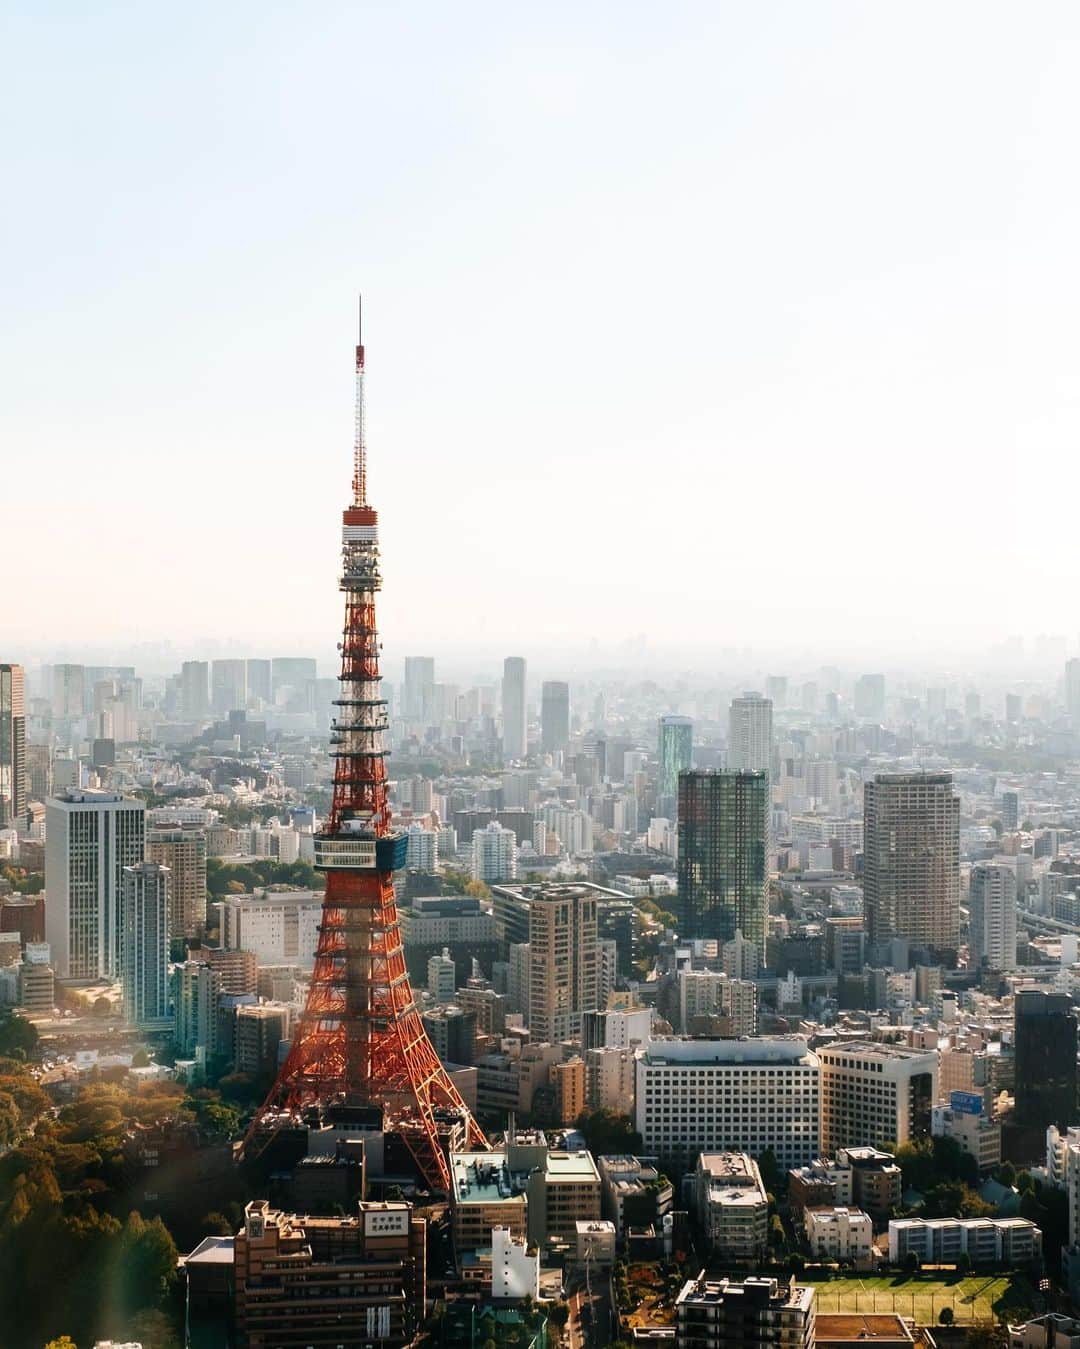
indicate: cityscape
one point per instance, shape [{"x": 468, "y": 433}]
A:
[{"x": 645, "y": 910}]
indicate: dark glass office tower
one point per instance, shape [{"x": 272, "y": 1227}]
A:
[
  {"x": 723, "y": 840},
  {"x": 554, "y": 716},
  {"x": 1045, "y": 1049}
]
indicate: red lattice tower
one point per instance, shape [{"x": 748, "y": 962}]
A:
[{"x": 360, "y": 1038}]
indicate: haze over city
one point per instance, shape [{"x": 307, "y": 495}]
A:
[{"x": 737, "y": 327}]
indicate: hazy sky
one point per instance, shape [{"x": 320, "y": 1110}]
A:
[{"x": 728, "y": 323}]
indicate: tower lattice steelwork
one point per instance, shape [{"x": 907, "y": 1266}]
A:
[{"x": 360, "y": 1039}]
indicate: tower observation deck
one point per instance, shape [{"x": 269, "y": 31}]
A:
[{"x": 360, "y": 1040}]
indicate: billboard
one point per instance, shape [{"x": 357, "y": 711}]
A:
[{"x": 966, "y": 1102}]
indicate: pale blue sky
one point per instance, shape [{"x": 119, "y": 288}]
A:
[{"x": 734, "y": 323}]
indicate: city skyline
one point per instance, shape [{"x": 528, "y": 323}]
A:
[{"x": 737, "y": 290}]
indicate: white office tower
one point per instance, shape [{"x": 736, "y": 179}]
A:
[
  {"x": 750, "y": 734},
  {"x": 90, "y": 838},
  {"x": 992, "y": 909},
  {"x": 442, "y": 977},
  {"x": 495, "y": 853},
  {"x": 515, "y": 730},
  {"x": 422, "y": 849},
  {"x": 144, "y": 944}
]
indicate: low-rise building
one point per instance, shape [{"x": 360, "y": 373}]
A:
[
  {"x": 840, "y": 1234},
  {"x": 595, "y": 1243},
  {"x": 1013, "y": 1242},
  {"x": 732, "y": 1206},
  {"x": 864, "y": 1177},
  {"x": 977, "y": 1134},
  {"x": 485, "y": 1195},
  {"x": 634, "y": 1192},
  {"x": 1052, "y": 1331},
  {"x": 515, "y": 1267},
  {"x": 754, "y": 1314}
]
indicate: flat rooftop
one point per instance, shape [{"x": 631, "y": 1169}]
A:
[
  {"x": 571, "y": 1166},
  {"x": 850, "y": 1327},
  {"x": 483, "y": 1178}
]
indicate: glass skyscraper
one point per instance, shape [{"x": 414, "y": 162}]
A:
[
  {"x": 723, "y": 843},
  {"x": 674, "y": 748}
]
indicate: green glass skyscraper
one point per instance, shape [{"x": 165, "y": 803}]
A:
[
  {"x": 674, "y": 747},
  {"x": 723, "y": 842}
]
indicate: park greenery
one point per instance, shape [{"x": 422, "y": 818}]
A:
[
  {"x": 225, "y": 878},
  {"x": 68, "y": 1218}
]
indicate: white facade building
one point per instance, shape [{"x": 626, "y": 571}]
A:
[
  {"x": 840, "y": 1234},
  {"x": 442, "y": 977},
  {"x": 750, "y": 734},
  {"x": 732, "y": 1206},
  {"x": 495, "y": 853},
  {"x": 422, "y": 849},
  {"x": 90, "y": 838},
  {"x": 748, "y": 1095},
  {"x": 992, "y": 907},
  {"x": 280, "y": 927},
  {"x": 515, "y": 1273}
]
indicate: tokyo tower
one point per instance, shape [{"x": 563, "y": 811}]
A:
[{"x": 360, "y": 1040}]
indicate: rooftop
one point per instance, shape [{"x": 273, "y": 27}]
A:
[
  {"x": 483, "y": 1178},
  {"x": 756, "y": 1049}
]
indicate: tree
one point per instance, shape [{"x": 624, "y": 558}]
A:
[
  {"x": 1006, "y": 1174},
  {"x": 64, "y": 1342},
  {"x": 559, "y": 1314},
  {"x": 911, "y": 1263},
  {"x": 771, "y": 1177},
  {"x": 607, "y": 1133},
  {"x": 140, "y": 1059},
  {"x": 18, "y": 1037},
  {"x": 945, "y": 1316}
]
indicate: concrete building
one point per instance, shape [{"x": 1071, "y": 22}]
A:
[
  {"x": 1012, "y": 1242},
  {"x": 144, "y": 945},
  {"x": 757, "y": 1313},
  {"x": 569, "y": 1079},
  {"x": 281, "y": 927},
  {"x": 710, "y": 993},
  {"x": 442, "y": 977},
  {"x": 992, "y": 909},
  {"x": 911, "y": 878},
  {"x": 634, "y": 1192},
  {"x": 197, "y": 988},
  {"x": 13, "y": 760},
  {"x": 1052, "y": 1331},
  {"x": 195, "y": 690},
  {"x": 609, "y": 1079},
  {"x": 732, "y": 1206},
  {"x": 554, "y": 716},
  {"x": 356, "y": 1280},
  {"x": 486, "y": 1195},
  {"x": 91, "y": 836},
  {"x": 422, "y": 849},
  {"x": 748, "y": 1095},
  {"x": 750, "y": 734},
  {"x": 977, "y": 1133},
  {"x": 873, "y": 1093},
  {"x": 259, "y": 1032},
  {"x": 840, "y": 1234},
  {"x": 515, "y": 1268},
  {"x": 594, "y": 1246},
  {"x": 494, "y": 854},
  {"x": 515, "y": 738},
  {"x": 182, "y": 849},
  {"x": 228, "y": 686},
  {"x": 563, "y": 973}
]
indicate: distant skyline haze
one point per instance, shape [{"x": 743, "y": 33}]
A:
[{"x": 744, "y": 328}]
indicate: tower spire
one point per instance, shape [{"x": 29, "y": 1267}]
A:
[
  {"x": 360, "y": 1040},
  {"x": 359, "y": 482}
]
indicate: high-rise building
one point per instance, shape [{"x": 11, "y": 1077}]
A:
[
  {"x": 515, "y": 726},
  {"x": 68, "y": 691},
  {"x": 423, "y": 849},
  {"x": 1045, "y": 1060},
  {"x": 194, "y": 690},
  {"x": 197, "y": 989},
  {"x": 911, "y": 869},
  {"x": 182, "y": 848},
  {"x": 563, "y": 961},
  {"x": 228, "y": 686},
  {"x": 257, "y": 676},
  {"x": 13, "y": 774},
  {"x": 1072, "y": 691},
  {"x": 992, "y": 907},
  {"x": 870, "y": 697},
  {"x": 1014, "y": 707},
  {"x": 776, "y": 690},
  {"x": 90, "y": 838},
  {"x": 750, "y": 734},
  {"x": 723, "y": 838},
  {"x": 495, "y": 853},
  {"x": 418, "y": 694},
  {"x": 144, "y": 944},
  {"x": 674, "y": 751},
  {"x": 291, "y": 673},
  {"x": 554, "y": 716}
]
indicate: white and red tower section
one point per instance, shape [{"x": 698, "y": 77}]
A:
[{"x": 360, "y": 1039}]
